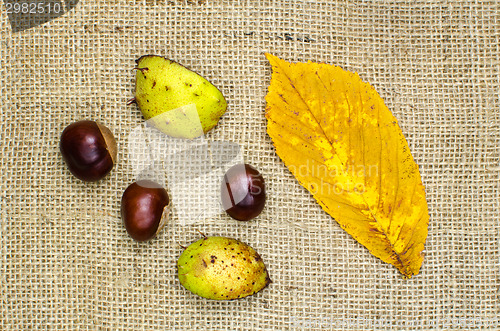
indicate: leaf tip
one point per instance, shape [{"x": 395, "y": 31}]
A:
[
  {"x": 273, "y": 59},
  {"x": 269, "y": 56}
]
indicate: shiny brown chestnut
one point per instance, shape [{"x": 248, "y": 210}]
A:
[
  {"x": 89, "y": 150},
  {"x": 144, "y": 209},
  {"x": 243, "y": 192}
]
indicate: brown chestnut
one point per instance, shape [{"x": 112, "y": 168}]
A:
[
  {"x": 89, "y": 150},
  {"x": 144, "y": 209},
  {"x": 243, "y": 193}
]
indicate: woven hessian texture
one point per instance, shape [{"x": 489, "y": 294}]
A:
[{"x": 66, "y": 261}]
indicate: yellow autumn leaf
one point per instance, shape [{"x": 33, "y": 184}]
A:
[{"x": 338, "y": 138}]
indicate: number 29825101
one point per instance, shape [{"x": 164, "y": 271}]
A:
[{"x": 33, "y": 7}]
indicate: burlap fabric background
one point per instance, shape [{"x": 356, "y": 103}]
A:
[{"x": 66, "y": 261}]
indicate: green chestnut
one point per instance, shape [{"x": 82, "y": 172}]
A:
[
  {"x": 176, "y": 100},
  {"x": 222, "y": 268}
]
